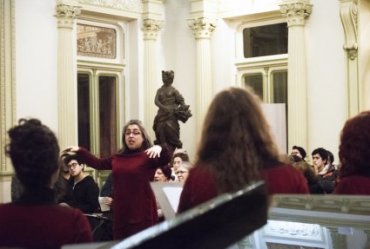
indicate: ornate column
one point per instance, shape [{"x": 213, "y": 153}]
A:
[
  {"x": 7, "y": 91},
  {"x": 151, "y": 28},
  {"x": 348, "y": 15},
  {"x": 296, "y": 12},
  {"x": 66, "y": 13},
  {"x": 202, "y": 29}
]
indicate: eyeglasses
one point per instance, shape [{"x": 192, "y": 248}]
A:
[
  {"x": 181, "y": 172},
  {"x": 72, "y": 165},
  {"x": 134, "y": 132}
]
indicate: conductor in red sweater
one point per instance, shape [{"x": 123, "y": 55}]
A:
[
  {"x": 35, "y": 220},
  {"x": 133, "y": 167}
]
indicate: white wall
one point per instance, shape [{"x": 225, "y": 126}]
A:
[
  {"x": 223, "y": 50},
  {"x": 178, "y": 54},
  {"x": 364, "y": 51},
  {"x": 36, "y": 60},
  {"x": 36, "y": 68},
  {"x": 326, "y": 75}
]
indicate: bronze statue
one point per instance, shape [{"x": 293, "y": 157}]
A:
[{"x": 172, "y": 108}]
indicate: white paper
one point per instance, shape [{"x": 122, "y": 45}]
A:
[
  {"x": 103, "y": 207},
  {"x": 168, "y": 197}
]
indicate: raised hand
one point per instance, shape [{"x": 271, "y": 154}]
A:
[
  {"x": 71, "y": 150},
  {"x": 154, "y": 151}
]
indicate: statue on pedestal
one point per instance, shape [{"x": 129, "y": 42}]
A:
[{"x": 172, "y": 108}]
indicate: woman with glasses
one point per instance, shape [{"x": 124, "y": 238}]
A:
[
  {"x": 182, "y": 171},
  {"x": 85, "y": 191},
  {"x": 133, "y": 167}
]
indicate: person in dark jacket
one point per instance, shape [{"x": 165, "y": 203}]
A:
[{"x": 85, "y": 191}]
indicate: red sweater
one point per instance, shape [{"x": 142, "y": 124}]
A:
[
  {"x": 134, "y": 205},
  {"x": 41, "y": 224},
  {"x": 284, "y": 179},
  {"x": 353, "y": 185},
  {"x": 201, "y": 184}
]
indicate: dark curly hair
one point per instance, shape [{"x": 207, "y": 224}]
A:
[
  {"x": 66, "y": 158},
  {"x": 166, "y": 169},
  {"x": 354, "y": 148},
  {"x": 34, "y": 152}
]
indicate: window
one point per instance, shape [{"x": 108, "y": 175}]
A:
[
  {"x": 101, "y": 41},
  {"x": 272, "y": 88},
  {"x": 98, "y": 113},
  {"x": 262, "y": 64},
  {"x": 265, "y": 40}
]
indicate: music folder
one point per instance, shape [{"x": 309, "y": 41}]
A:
[{"x": 167, "y": 195}]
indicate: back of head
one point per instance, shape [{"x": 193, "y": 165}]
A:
[
  {"x": 236, "y": 138},
  {"x": 34, "y": 152},
  {"x": 166, "y": 169},
  {"x": 330, "y": 157},
  {"x": 354, "y": 149}
]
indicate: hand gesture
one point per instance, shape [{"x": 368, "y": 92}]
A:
[
  {"x": 69, "y": 151},
  {"x": 154, "y": 151}
]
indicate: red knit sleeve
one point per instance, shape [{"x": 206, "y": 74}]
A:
[{"x": 93, "y": 161}]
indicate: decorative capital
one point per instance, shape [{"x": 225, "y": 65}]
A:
[
  {"x": 151, "y": 27},
  {"x": 348, "y": 15},
  {"x": 296, "y": 11},
  {"x": 202, "y": 27},
  {"x": 66, "y": 14}
]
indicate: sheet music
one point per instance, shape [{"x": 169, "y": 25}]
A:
[
  {"x": 103, "y": 207},
  {"x": 168, "y": 197}
]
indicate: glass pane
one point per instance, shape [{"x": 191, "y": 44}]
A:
[
  {"x": 279, "y": 84},
  {"x": 255, "y": 81},
  {"x": 83, "y": 89},
  {"x": 107, "y": 115},
  {"x": 265, "y": 40}
]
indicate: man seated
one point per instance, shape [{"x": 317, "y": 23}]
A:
[
  {"x": 325, "y": 171},
  {"x": 85, "y": 192}
]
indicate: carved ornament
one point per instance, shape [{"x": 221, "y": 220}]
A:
[
  {"x": 151, "y": 28},
  {"x": 127, "y": 5},
  {"x": 66, "y": 14},
  {"x": 68, "y": 11},
  {"x": 296, "y": 11},
  {"x": 348, "y": 15},
  {"x": 312, "y": 232},
  {"x": 202, "y": 27}
]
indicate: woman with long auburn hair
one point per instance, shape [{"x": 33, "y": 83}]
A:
[
  {"x": 236, "y": 149},
  {"x": 354, "y": 155}
]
